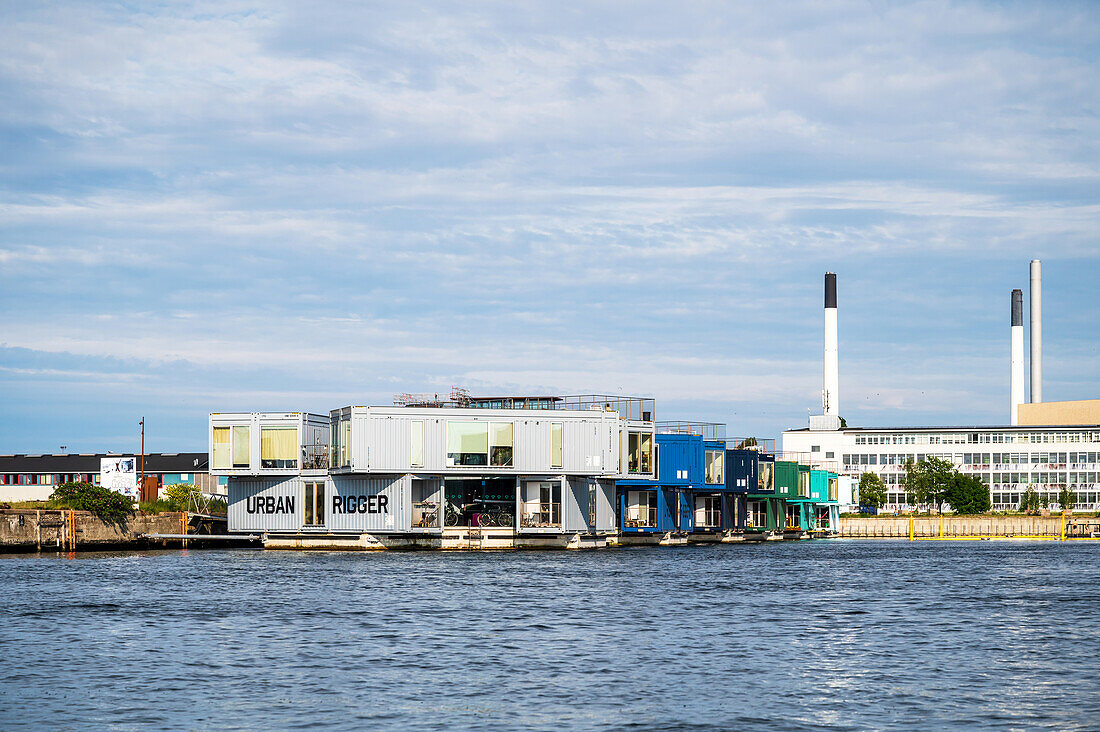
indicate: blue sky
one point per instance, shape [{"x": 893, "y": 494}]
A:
[{"x": 220, "y": 206}]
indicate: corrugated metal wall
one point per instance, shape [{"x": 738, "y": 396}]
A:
[
  {"x": 378, "y": 504},
  {"x": 265, "y": 504},
  {"x": 574, "y": 505},
  {"x": 605, "y": 505}
]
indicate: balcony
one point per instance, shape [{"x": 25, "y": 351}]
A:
[{"x": 316, "y": 457}]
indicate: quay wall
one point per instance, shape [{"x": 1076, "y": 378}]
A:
[
  {"x": 50, "y": 530},
  {"x": 897, "y": 527}
]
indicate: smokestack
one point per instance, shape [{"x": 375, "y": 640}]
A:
[
  {"x": 1036, "y": 331},
  {"x": 1017, "y": 380},
  {"x": 830, "y": 396}
]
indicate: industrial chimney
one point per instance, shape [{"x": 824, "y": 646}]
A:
[
  {"x": 830, "y": 395},
  {"x": 1017, "y": 379},
  {"x": 1036, "y": 331}
]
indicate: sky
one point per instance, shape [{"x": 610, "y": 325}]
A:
[{"x": 225, "y": 206}]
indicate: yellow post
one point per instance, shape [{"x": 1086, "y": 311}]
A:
[
  {"x": 183, "y": 522},
  {"x": 910, "y": 527},
  {"x": 1063, "y": 525}
]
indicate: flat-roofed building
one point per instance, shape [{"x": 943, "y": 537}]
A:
[{"x": 1009, "y": 459}]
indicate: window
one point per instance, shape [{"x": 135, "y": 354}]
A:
[
  {"x": 416, "y": 444},
  {"x": 556, "y": 444},
  {"x": 803, "y": 484},
  {"x": 708, "y": 512},
  {"x": 500, "y": 443},
  {"x": 714, "y": 463},
  {"x": 231, "y": 447},
  {"x": 815, "y": 448},
  {"x": 829, "y": 456},
  {"x": 341, "y": 441},
  {"x": 641, "y": 509},
  {"x": 757, "y": 516},
  {"x": 425, "y": 503},
  {"x": 315, "y": 504},
  {"x": 639, "y": 452},
  {"x": 467, "y": 443},
  {"x": 220, "y": 453},
  {"x": 832, "y": 489},
  {"x": 278, "y": 447},
  {"x": 541, "y": 504},
  {"x": 766, "y": 482}
]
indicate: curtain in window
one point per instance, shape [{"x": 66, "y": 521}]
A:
[
  {"x": 240, "y": 446},
  {"x": 221, "y": 455},
  {"x": 278, "y": 447}
]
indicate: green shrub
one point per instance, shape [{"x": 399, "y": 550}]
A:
[{"x": 105, "y": 504}]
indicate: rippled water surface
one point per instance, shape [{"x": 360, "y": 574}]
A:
[{"x": 839, "y": 634}]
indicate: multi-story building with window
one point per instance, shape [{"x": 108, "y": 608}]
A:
[{"x": 1008, "y": 459}]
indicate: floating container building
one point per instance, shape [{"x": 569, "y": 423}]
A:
[
  {"x": 439, "y": 475},
  {"x": 688, "y": 498}
]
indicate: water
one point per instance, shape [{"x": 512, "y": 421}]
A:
[{"x": 839, "y": 634}]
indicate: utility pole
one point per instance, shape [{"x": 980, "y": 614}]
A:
[{"x": 141, "y": 468}]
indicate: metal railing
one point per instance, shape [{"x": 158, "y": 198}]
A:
[
  {"x": 760, "y": 444},
  {"x": 706, "y": 430},
  {"x": 628, "y": 407},
  {"x": 316, "y": 457}
]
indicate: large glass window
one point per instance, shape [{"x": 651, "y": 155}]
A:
[
  {"x": 639, "y": 454},
  {"x": 314, "y": 504},
  {"x": 832, "y": 489},
  {"x": 231, "y": 447},
  {"x": 425, "y": 503},
  {"x": 278, "y": 447},
  {"x": 541, "y": 504},
  {"x": 467, "y": 443},
  {"x": 708, "y": 512},
  {"x": 556, "y": 444},
  {"x": 715, "y": 464},
  {"x": 803, "y": 484},
  {"x": 641, "y": 509},
  {"x": 416, "y": 443},
  {"x": 500, "y": 444},
  {"x": 766, "y": 477},
  {"x": 242, "y": 438},
  {"x": 220, "y": 453},
  {"x": 757, "y": 515}
]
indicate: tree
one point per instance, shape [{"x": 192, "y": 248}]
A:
[
  {"x": 746, "y": 443},
  {"x": 967, "y": 494},
  {"x": 872, "y": 491},
  {"x": 1065, "y": 497},
  {"x": 1029, "y": 501},
  {"x": 105, "y": 504},
  {"x": 927, "y": 482}
]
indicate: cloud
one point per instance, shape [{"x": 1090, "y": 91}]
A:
[{"x": 223, "y": 202}]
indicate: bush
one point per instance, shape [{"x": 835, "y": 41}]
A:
[
  {"x": 105, "y": 504},
  {"x": 177, "y": 497}
]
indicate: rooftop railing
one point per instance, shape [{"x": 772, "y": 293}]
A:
[
  {"x": 760, "y": 444},
  {"x": 628, "y": 407},
  {"x": 706, "y": 430}
]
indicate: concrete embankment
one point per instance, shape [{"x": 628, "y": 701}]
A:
[
  {"x": 28, "y": 530},
  {"x": 963, "y": 527}
]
